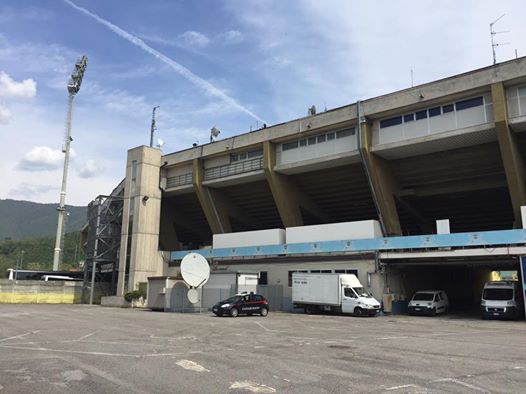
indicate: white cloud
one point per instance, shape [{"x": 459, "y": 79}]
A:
[
  {"x": 31, "y": 192},
  {"x": 5, "y": 115},
  {"x": 194, "y": 39},
  {"x": 230, "y": 37},
  {"x": 43, "y": 158},
  {"x": 89, "y": 169},
  {"x": 9, "y": 88}
]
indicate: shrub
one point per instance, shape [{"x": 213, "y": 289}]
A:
[{"x": 134, "y": 295}]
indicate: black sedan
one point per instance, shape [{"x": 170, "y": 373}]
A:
[{"x": 242, "y": 304}]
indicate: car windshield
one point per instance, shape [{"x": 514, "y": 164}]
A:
[
  {"x": 498, "y": 294},
  {"x": 423, "y": 297},
  {"x": 231, "y": 300}
]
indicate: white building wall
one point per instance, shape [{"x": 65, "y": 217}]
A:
[
  {"x": 446, "y": 121},
  {"x": 249, "y": 238},
  {"x": 315, "y": 150},
  {"x": 217, "y": 161},
  {"x": 179, "y": 170}
]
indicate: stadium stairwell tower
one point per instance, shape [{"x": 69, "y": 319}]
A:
[{"x": 139, "y": 253}]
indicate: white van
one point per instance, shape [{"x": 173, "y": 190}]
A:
[
  {"x": 502, "y": 299},
  {"x": 428, "y": 302}
]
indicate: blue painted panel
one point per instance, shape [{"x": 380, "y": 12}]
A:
[{"x": 486, "y": 238}]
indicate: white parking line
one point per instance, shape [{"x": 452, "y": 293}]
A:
[
  {"x": 85, "y": 336},
  {"x": 191, "y": 366},
  {"x": 251, "y": 386},
  {"x": 43, "y": 349},
  {"x": 404, "y": 386},
  {"x": 17, "y": 336},
  {"x": 461, "y": 383}
]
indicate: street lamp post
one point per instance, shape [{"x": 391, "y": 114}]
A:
[{"x": 73, "y": 88}]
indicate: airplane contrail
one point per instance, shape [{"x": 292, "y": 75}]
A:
[{"x": 186, "y": 73}]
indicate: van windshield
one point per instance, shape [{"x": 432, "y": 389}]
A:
[
  {"x": 361, "y": 292},
  {"x": 498, "y": 294},
  {"x": 423, "y": 297}
]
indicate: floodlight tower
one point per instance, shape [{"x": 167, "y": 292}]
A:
[{"x": 73, "y": 89}]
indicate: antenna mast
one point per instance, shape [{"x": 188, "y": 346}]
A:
[
  {"x": 493, "y": 33},
  {"x": 153, "y": 128}
]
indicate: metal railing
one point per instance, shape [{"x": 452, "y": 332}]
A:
[
  {"x": 235, "y": 168},
  {"x": 179, "y": 180}
]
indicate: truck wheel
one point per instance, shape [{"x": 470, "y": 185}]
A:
[
  {"x": 234, "y": 312},
  {"x": 358, "y": 311},
  {"x": 264, "y": 312},
  {"x": 309, "y": 309}
]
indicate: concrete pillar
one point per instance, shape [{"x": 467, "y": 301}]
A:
[
  {"x": 139, "y": 252},
  {"x": 217, "y": 218},
  {"x": 382, "y": 182},
  {"x": 284, "y": 197},
  {"x": 509, "y": 151}
]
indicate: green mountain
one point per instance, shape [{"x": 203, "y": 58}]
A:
[
  {"x": 37, "y": 254},
  {"x": 24, "y": 219}
]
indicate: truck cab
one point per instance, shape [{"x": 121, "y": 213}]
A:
[
  {"x": 502, "y": 300},
  {"x": 358, "y": 302}
]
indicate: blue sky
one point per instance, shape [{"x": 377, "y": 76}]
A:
[{"x": 249, "y": 61}]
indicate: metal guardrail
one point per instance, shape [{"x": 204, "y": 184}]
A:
[
  {"x": 433, "y": 241},
  {"x": 235, "y": 168},
  {"x": 179, "y": 180}
]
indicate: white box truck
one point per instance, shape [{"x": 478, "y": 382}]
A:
[{"x": 332, "y": 293}]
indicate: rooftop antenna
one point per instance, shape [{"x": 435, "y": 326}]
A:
[
  {"x": 73, "y": 88},
  {"x": 153, "y": 126},
  {"x": 493, "y": 34},
  {"x": 412, "y": 82}
]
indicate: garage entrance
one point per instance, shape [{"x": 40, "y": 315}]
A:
[{"x": 462, "y": 280}]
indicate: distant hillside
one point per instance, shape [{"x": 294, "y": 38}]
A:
[
  {"x": 24, "y": 219},
  {"x": 38, "y": 253}
]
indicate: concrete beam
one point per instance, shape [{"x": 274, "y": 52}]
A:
[
  {"x": 426, "y": 225},
  {"x": 382, "y": 181},
  {"x": 217, "y": 219},
  {"x": 288, "y": 197},
  {"x": 509, "y": 150},
  {"x": 466, "y": 185}
]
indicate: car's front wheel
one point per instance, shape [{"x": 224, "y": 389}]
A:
[
  {"x": 234, "y": 312},
  {"x": 264, "y": 312}
]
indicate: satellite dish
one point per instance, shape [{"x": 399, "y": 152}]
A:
[
  {"x": 193, "y": 296},
  {"x": 160, "y": 142},
  {"x": 195, "y": 269}
]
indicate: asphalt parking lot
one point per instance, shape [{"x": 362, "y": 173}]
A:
[{"x": 91, "y": 349}]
